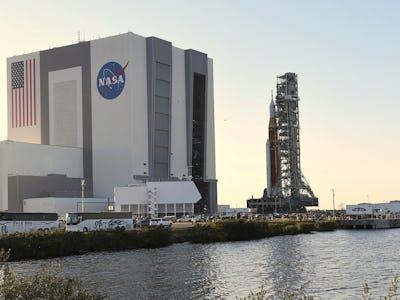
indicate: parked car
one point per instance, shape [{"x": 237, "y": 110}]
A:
[
  {"x": 160, "y": 222},
  {"x": 185, "y": 219},
  {"x": 142, "y": 223}
]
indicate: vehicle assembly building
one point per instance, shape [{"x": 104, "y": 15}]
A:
[
  {"x": 116, "y": 111},
  {"x": 287, "y": 189}
]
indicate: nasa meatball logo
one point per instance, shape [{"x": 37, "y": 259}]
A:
[{"x": 111, "y": 80}]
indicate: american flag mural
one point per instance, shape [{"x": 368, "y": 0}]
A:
[{"x": 23, "y": 93}]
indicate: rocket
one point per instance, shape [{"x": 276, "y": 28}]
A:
[{"x": 272, "y": 151}]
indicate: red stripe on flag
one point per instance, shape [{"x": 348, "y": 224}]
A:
[
  {"x": 23, "y": 97},
  {"x": 19, "y": 109},
  {"x": 12, "y": 108},
  {"x": 23, "y": 108},
  {"x": 16, "y": 108},
  {"x": 34, "y": 87},
  {"x": 26, "y": 81},
  {"x": 27, "y": 97},
  {"x": 30, "y": 81}
]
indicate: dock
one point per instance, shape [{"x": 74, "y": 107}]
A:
[{"x": 369, "y": 223}]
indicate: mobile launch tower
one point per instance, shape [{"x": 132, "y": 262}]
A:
[{"x": 287, "y": 188}]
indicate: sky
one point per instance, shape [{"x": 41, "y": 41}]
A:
[{"x": 346, "y": 54}]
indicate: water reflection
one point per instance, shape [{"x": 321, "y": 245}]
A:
[
  {"x": 289, "y": 264},
  {"x": 330, "y": 265}
]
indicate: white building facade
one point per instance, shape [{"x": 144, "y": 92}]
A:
[
  {"x": 115, "y": 111},
  {"x": 374, "y": 210},
  {"x": 157, "y": 198}
]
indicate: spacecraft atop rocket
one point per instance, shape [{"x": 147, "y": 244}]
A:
[{"x": 287, "y": 189}]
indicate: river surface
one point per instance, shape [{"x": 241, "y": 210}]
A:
[{"x": 326, "y": 265}]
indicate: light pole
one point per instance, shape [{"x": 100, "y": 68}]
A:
[
  {"x": 83, "y": 194},
  {"x": 333, "y": 202}
]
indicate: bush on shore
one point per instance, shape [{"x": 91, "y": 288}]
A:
[
  {"x": 38, "y": 245},
  {"x": 326, "y": 226},
  {"x": 229, "y": 230},
  {"x": 244, "y": 230}
]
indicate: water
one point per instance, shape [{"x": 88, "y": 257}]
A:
[{"x": 331, "y": 265}]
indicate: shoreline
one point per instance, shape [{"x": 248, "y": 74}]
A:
[{"x": 47, "y": 245}]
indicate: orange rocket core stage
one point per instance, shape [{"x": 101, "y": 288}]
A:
[{"x": 273, "y": 141}]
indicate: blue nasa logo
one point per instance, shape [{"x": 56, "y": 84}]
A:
[{"x": 111, "y": 80}]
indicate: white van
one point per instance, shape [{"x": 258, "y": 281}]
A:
[{"x": 160, "y": 222}]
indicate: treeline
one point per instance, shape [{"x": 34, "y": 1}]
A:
[{"x": 39, "y": 245}]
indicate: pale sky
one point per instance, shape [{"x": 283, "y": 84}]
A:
[{"x": 346, "y": 54}]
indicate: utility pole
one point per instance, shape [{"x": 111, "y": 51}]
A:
[
  {"x": 83, "y": 194},
  {"x": 333, "y": 202}
]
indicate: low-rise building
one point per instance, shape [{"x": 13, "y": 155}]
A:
[
  {"x": 374, "y": 210},
  {"x": 152, "y": 199}
]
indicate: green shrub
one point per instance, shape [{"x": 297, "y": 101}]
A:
[
  {"x": 156, "y": 237},
  {"x": 275, "y": 228},
  {"x": 208, "y": 233},
  {"x": 290, "y": 230},
  {"x": 228, "y": 230},
  {"x": 244, "y": 230},
  {"x": 37, "y": 245},
  {"x": 325, "y": 226},
  {"x": 305, "y": 227}
]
